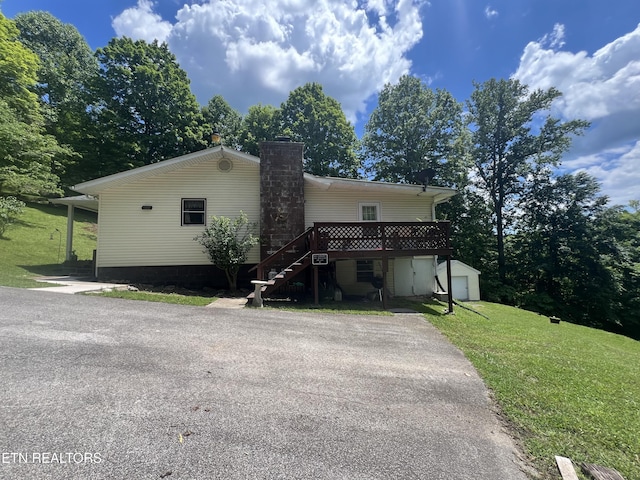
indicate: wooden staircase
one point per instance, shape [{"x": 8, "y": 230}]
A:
[{"x": 288, "y": 261}]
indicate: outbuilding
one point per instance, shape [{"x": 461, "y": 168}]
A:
[{"x": 465, "y": 280}]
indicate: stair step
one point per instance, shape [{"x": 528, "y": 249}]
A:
[
  {"x": 279, "y": 276},
  {"x": 288, "y": 270}
]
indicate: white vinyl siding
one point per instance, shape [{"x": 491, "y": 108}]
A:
[
  {"x": 344, "y": 205},
  {"x": 130, "y": 236}
]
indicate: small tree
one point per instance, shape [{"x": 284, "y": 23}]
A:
[
  {"x": 10, "y": 209},
  {"x": 227, "y": 242}
]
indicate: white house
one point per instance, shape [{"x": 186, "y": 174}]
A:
[{"x": 148, "y": 218}]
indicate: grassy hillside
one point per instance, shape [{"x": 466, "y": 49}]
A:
[
  {"x": 36, "y": 244},
  {"x": 568, "y": 390}
]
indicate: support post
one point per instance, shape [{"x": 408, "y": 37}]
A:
[
  {"x": 449, "y": 284},
  {"x": 385, "y": 269},
  {"x": 70, "y": 218},
  {"x": 316, "y": 286}
]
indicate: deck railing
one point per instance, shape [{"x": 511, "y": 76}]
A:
[
  {"x": 386, "y": 238},
  {"x": 360, "y": 240}
]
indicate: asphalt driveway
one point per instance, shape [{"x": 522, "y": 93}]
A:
[{"x": 114, "y": 389}]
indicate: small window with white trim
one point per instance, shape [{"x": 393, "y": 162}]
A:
[
  {"x": 369, "y": 212},
  {"x": 194, "y": 211}
]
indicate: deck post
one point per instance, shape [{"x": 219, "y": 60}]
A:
[
  {"x": 385, "y": 269},
  {"x": 316, "y": 286},
  {"x": 449, "y": 285},
  {"x": 70, "y": 218}
]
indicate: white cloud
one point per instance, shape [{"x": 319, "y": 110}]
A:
[
  {"x": 616, "y": 169},
  {"x": 490, "y": 12},
  {"x": 602, "y": 88},
  {"x": 140, "y": 22},
  {"x": 554, "y": 39},
  {"x": 257, "y": 51}
]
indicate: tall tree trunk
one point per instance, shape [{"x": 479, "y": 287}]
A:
[{"x": 502, "y": 264}]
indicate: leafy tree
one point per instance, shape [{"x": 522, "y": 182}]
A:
[
  {"x": 67, "y": 68},
  {"x": 619, "y": 229},
  {"x": 227, "y": 242},
  {"x": 513, "y": 138},
  {"x": 310, "y": 116},
  {"x": 18, "y": 73},
  {"x": 10, "y": 209},
  {"x": 144, "y": 109},
  {"x": 26, "y": 156},
  {"x": 221, "y": 118},
  {"x": 258, "y": 125},
  {"x": 414, "y": 128},
  {"x": 26, "y": 153},
  {"x": 570, "y": 255}
]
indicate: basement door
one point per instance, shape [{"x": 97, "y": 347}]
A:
[{"x": 412, "y": 276}]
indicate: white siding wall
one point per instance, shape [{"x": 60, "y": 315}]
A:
[
  {"x": 342, "y": 206},
  {"x": 130, "y": 236}
]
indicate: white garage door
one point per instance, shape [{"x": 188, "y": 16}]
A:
[{"x": 460, "y": 287}]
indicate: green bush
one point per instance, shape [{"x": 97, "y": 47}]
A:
[
  {"x": 227, "y": 242},
  {"x": 10, "y": 209}
]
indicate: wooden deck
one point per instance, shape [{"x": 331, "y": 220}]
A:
[{"x": 374, "y": 240}]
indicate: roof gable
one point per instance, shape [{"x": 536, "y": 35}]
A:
[{"x": 94, "y": 187}]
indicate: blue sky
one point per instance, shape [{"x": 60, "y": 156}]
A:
[{"x": 257, "y": 51}]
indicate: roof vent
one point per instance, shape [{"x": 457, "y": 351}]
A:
[{"x": 225, "y": 165}]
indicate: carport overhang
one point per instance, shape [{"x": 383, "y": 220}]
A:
[{"x": 85, "y": 202}]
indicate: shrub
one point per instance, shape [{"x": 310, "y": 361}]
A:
[
  {"x": 10, "y": 209},
  {"x": 227, "y": 242}
]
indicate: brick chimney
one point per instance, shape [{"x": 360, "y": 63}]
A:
[{"x": 281, "y": 194}]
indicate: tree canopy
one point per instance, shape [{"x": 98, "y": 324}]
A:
[
  {"x": 143, "y": 107},
  {"x": 513, "y": 139},
  {"x": 222, "y": 119},
  {"x": 414, "y": 128},
  {"x": 258, "y": 125},
  {"x": 67, "y": 68},
  {"x": 312, "y": 117},
  {"x": 27, "y": 154}
]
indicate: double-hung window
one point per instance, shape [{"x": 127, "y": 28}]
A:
[
  {"x": 194, "y": 211},
  {"x": 369, "y": 212}
]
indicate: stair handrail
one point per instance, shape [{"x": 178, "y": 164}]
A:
[{"x": 260, "y": 267}]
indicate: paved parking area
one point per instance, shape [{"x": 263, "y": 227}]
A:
[{"x": 97, "y": 388}]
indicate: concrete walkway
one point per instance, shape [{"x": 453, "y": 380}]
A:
[{"x": 71, "y": 285}]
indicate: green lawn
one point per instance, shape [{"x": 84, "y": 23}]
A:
[
  {"x": 176, "y": 298},
  {"x": 33, "y": 247},
  {"x": 568, "y": 390}
]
